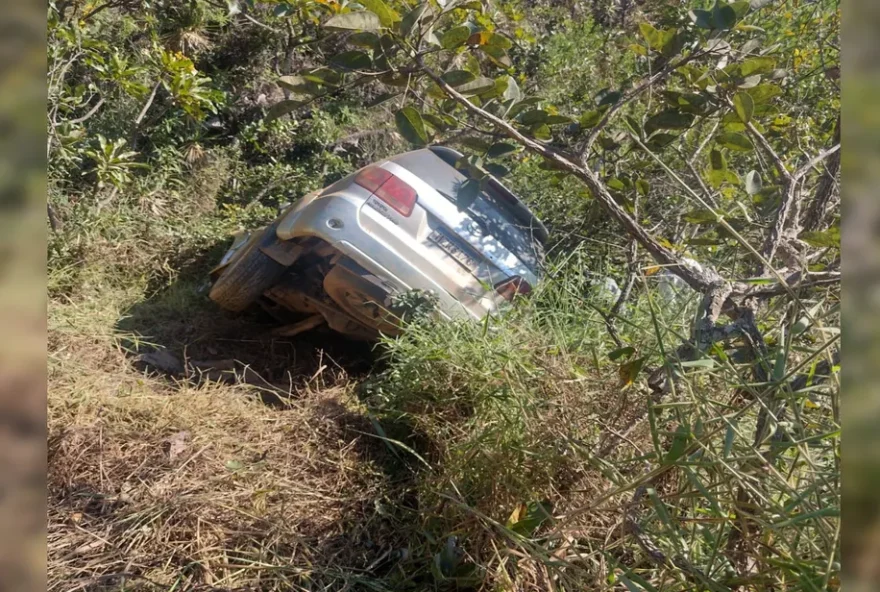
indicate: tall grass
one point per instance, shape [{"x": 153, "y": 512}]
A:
[{"x": 527, "y": 413}]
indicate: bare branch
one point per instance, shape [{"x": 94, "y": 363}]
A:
[
  {"x": 816, "y": 160},
  {"x": 790, "y": 193},
  {"x": 812, "y": 280},
  {"x": 765, "y": 145},
  {"x": 88, "y": 115},
  {"x": 146, "y": 108},
  {"x": 259, "y": 24},
  {"x": 824, "y": 189}
]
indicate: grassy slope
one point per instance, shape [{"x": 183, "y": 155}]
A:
[{"x": 281, "y": 478}]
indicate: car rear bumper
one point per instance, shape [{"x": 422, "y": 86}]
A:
[{"x": 337, "y": 219}]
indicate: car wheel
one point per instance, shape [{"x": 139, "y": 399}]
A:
[{"x": 248, "y": 275}]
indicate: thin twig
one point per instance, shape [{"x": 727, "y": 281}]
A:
[
  {"x": 146, "y": 108},
  {"x": 258, "y": 23},
  {"x": 88, "y": 115},
  {"x": 629, "y": 96}
]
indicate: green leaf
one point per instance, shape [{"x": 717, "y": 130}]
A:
[
  {"x": 607, "y": 97},
  {"x": 411, "y": 126},
  {"x": 501, "y": 149},
  {"x": 750, "y": 82},
  {"x": 723, "y": 17},
  {"x": 365, "y": 39},
  {"x": 541, "y": 131},
  {"x": 615, "y": 184},
  {"x": 490, "y": 38},
  {"x": 700, "y": 216},
  {"x": 387, "y": 15},
  {"x": 762, "y": 65},
  {"x": 234, "y": 465},
  {"x": 753, "y": 183},
  {"x": 744, "y": 105},
  {"x": 822, "y": 238},
  {"x": 437, "y": 122},
  {"x": 661, "y": 140},
  {"x": 512, "y": 93},
  {"x": 526, "y": 518},
  {"x": 621, "y": 352},
  {"x": 764, "y": 92},
  {"x": 499, "y": 55},
  {"x": 741, "y": 8},
  {"x": 467, "y": 194},
  {"x": 454, "y": 37},
  {"x": 718, "y": 178},
  {"x": 629, "y": 371},
  {"x": 717, "y": 161},
  {"x": 557, "y": 120},
  {"x": 643, "y": 187},
  {"x": 352, "y": 60},
  {"x": 324, "y": 76},
  {"x": 679, "y": 444},
  {"x": 359, "y": 21},
  {"x": 280, "y": 109},
  {"x": 735, "y": 141},
  {"x": 498, "y": 90},
  {"x": 457, "y": 77},
  {"x": 283, "y": 9},
  {"x": 299, "y": 85},
  {"x": 657, "y": 39},
  {"x": 497, "y": 170},
  {"x": 477, "y": 86},
  {"x": 702, "y": 18},
  {"x": 591, "y": 118},
  {"x": 534, "y": 116},
  {"x": 412, "y": 18},
  {"x": 669, "y": 119}
]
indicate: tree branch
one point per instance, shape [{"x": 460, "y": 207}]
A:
[
  {"x": 146, "y": 108},
  {"x": 816, "y": 160},
  {"x": 699, "y": 280},
  {"x": 824, "y": 189},
  {"x": 88, "y": 115},
  {"x": 790, "y": 193},
  {"x": 629, "y": 96}
]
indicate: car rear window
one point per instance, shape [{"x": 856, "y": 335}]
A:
[{"x": 494, "y": 215}]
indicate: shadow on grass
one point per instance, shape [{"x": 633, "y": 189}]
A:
[
  {"x": 381, "y": 545},
  {"x": 180, "y": 319}
]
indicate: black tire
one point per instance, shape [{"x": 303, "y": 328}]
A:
[{"x": 249, "y": 274}]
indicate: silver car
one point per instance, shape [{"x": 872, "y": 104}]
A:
[{"x": 343, "y": 255}]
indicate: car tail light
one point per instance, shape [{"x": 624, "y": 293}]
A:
[
  {"x": 388, "y": 188},
  {"x": 512, "y": 287}
]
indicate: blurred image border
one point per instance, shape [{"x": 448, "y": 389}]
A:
[
  {"x": 23, "y": 295},
  {"x": 861, "y": 295}
]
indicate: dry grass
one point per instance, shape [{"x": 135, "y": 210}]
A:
[
  {"x": 169, "y": 484},
  {"x": 158, "y": 483},
  {"x": 205, "y": 484}
]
